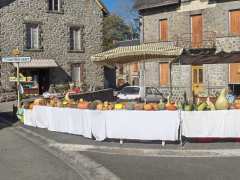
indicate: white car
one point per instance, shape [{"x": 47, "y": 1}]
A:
[{"x": 137, "y": 93}]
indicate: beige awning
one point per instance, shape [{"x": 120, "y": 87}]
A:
[
  {"x": 38, "y": 63},
  {"x": 141, "y": 52}
]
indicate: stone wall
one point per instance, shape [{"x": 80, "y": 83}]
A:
[
  {"x": 55, "y": 36},
  {"x": 215, "y": 19}
]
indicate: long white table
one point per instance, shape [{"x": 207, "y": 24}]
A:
[
  {"x": 139, "y": 125},
  {"x": 220, "y": 124}
]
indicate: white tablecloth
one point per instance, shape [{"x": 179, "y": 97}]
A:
[
  {"x": 28, "y": 118},
  {"x": 142, "y": 125},
  {"x": 222, "y": 124}
]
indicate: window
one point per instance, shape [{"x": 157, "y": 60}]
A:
[
  {"x": 163, "y": 34},
  {"x": 76, "y": 40},
  {"x": 54, "y": 5},
  {"x": 197, "y": 31},
  {"x": 32, "y": 36},
  {"x": 164, "y": 74},
  {"x": 77, "y": 72}
]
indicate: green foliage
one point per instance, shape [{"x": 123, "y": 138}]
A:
[{"x": 114, "y": 29}]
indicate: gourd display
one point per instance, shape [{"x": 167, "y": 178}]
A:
[
  {"x": 83, "y": 104},
  {"x": 139, "y": 106},
  {"x": 118, "y": 106},
  {"x": 171, "y": 106},
  {"x": 147, "y": 107}
]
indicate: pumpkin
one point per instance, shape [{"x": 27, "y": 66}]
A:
[
  {"x": 147, "y": 107},
  {"x": 171, "y": 106},
  {"x": 155, "y": 107},
  {"x": 139, "y": 106},
  {"x": 100, "y": 106},
  {"x": 110, "y": 106},
  {"x": 118, "y": 106},
  {"x": 237, "y": 105},
  {"x": 83, "y": 105}
]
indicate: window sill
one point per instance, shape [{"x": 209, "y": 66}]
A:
[
  {"x": 76, "y": 51},
  {"x": 55, "y": 12},
  {"x": 33, "y": 50}
]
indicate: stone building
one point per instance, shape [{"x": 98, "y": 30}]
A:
[
  {"x": 197, "y": 26},
  {"x": 59, "y": 36}
]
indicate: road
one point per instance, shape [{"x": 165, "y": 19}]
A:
[{"x": 23, "y": 159}]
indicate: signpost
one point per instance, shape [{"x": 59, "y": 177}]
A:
[{"x": 17, "y": 59}]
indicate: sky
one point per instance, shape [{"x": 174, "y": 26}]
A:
[{"x": 121, "y": 7}]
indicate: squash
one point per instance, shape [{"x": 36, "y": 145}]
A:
[
  {"x": 222, "y": 102},
  {"x": 237, "y": 105},
  {"x": 161, "y": 105},
  {"x": 202, "y": 106},
  {"x": 171, "y": 106},
  {"x": 155, "y": 106},
  {"x": 147, "y": 107},
  {"x": 139, "y": 106},
  {"x": 110, "y": 106},
  {"x": 129, "y": 106},
  {"x": 118, "y": 106},
  {"x": 31, "y": 105},
  {"x": 210, "y": 105},
  {"x": 82, "y": 104},
  {"x": 100, "y": 106}
]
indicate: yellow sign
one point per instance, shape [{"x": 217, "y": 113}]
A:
[{"x": 21, "y": 78}]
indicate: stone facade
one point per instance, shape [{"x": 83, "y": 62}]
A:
[
  {"x": 215, "y": 19},
  {"x": 54, "y": 36}
]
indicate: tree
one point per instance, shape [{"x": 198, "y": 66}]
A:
[{"x": 114, "y": 29}]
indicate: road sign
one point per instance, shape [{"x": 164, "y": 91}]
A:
[{"x": 16, "y": 59}]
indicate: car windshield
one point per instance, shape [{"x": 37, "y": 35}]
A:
[{"x": 130, "y": 90}]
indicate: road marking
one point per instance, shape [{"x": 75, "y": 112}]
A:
[{"x": 148, "y": 152}]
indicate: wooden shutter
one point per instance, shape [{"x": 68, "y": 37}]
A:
[
  {"x": 163, "y": 30},
  {"x": 235, "y": 22},
  {"x": 197, "y": 31},
  {"x": 234, "y": 73},
  {"x": 164, "y": 74}
]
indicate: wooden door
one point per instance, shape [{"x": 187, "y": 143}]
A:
[
  {"x": 197, "y": 79},
  {"x": 234, "y": 73},
  {"x": 197, "y": 31},
  {"x": 235, "y": 22},
  {"x": 164, "y": 74},
  {"x": 163, "y": 30}
]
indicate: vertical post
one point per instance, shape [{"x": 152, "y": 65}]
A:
[{"x": 18, "y": 86}]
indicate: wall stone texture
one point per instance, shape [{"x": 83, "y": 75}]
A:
[{"x": 55, "y": 36}]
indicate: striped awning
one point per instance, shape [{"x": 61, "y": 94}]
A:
[
  {"x": 141, "y": 52},
  {"x": 38, "y": 63}
]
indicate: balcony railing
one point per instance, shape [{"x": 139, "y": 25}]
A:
[{"x": 190, "y": 41}]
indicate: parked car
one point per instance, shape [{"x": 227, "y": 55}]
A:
[{"x": 137, "y": 93}]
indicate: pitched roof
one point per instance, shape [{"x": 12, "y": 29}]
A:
[{"x": 147, "y": 4}]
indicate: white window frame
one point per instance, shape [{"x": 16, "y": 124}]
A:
[
  {"x": 31, "y": 30},
  {"x": 76, "y": 39}
]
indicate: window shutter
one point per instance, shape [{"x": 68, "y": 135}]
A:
[
  {"x": 61, "y": 5},
  {"x": 40, "y": 37},
  {"x": 164, "y": 74},
  {"x": 71, "y": 39},
  {"x": 28, "y": 36},
  {"x": 82, "y": 75},
  {"x": 82, "y": 38},
  {"x": 163, "y": 30},
  {"x": 35, "y": 37}
]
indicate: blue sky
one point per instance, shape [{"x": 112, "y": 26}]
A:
[
  {"x": 113, "y": 5},
  {"x": 122, "y": 8}
]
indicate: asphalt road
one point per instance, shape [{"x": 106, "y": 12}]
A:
[
  {"x": 22, "y": 160},
  {"x": 152, "y": 168}
]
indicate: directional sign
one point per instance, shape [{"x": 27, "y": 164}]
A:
[{"x": 16, "y": 59}]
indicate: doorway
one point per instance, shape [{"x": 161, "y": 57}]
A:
[
  {"x": 196, "y": 31},
  {"x": 197, "y": 80}
]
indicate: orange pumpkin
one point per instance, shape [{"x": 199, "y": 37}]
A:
[
  {"x": 155, "y": 106},
  {"x": 148, "y": 107},
  {"x": 83, "y": 104},
  {"x": 237, "y": 105},
  {"x": 171, "y": 107}
]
